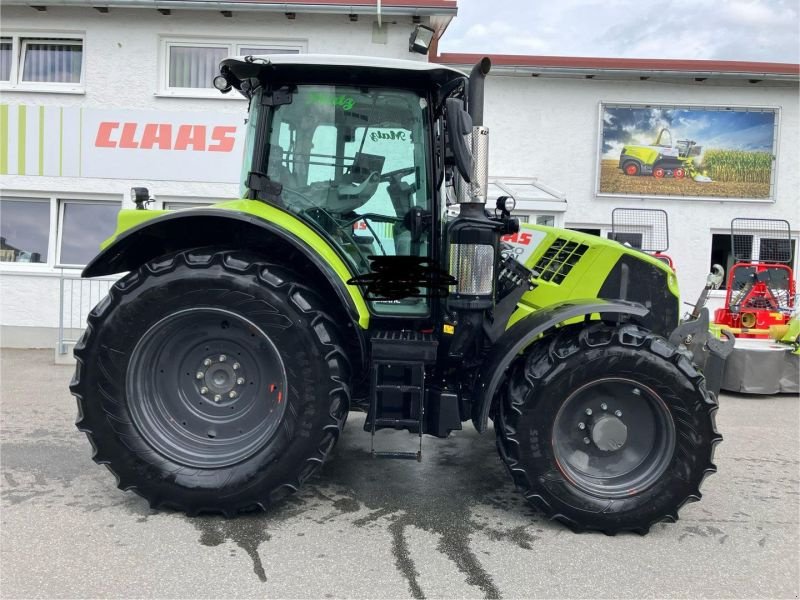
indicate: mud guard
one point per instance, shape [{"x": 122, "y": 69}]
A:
[
  {"x": 203, "y": 227},
  {"x": 523, "y": 333}
]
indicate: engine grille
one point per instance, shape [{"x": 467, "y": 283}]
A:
[{"x": 559, "y": 259}]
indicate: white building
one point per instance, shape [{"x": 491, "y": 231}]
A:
[{"x": 100, "y": 97}]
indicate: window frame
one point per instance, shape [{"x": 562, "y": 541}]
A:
[
  {"x": 53, "y": 266},
  {"x": 232, "y": 48},
  {"x": 19, "y": 41},
  {"x": 29, "y": 266},
  {"x": 12, "y": 63},
  {"x": 61, "y": 203}
]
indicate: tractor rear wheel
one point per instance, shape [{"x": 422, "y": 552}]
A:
[
  {"x": 607, "y": 428},
  {"x": 211, "y": 381}
]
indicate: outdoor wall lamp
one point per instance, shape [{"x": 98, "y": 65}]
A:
[{"x": 420, "y": 40}]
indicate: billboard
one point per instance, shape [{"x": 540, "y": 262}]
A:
[{"x": 687, "y": 152}]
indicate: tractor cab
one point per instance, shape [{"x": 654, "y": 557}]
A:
[{"x": 355, "y": 153}]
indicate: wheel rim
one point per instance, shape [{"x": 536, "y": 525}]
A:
[
  {"x": 679, "y": 173},
  {"x": 659, "y": 173},
  {"x": 206, "y": 387},
  {"x": 631, "y": 169},
  {"x": 613, "y": 437}
]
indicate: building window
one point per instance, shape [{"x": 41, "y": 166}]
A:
[
  {"x": 42, "y": 64},
  {"x": 192, "y": 65},
  {"x": 51, "y": 61},
  {"x": 588, "y": 230},
  {"x": 768, "y": 249},
  {"x": 6, "y": 47},
  {"x": 84, "y": 226},
  {"x": 24, "y": 230},
  {"x": 180, "y": 204}
]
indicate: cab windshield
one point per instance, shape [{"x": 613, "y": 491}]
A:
[{"x": 352, "y": 161}]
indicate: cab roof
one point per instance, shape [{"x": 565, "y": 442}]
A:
[{"x": 337, "y": 69}]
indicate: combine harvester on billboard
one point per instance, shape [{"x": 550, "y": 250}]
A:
[{"x": 663, "y": 151}]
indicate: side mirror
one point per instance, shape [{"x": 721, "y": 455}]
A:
[{"x": 459, "y": 124}]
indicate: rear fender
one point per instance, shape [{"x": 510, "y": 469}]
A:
[
  {"x": 245, "y": 224},
  {"x": 524, "y": 332}
]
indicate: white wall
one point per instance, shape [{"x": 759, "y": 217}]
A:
[
  {"x": 548, "y": 127},
  {"x": 122, "y": 66}
]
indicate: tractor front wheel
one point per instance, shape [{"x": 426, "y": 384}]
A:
[
  {"x": 607, "y": 428},
  {"x": 211, "y": 381}
]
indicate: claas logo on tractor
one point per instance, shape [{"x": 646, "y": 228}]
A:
[{"x": 218, "y": 374}]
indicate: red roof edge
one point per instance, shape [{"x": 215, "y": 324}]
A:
[{"x": 634, "y": 64}]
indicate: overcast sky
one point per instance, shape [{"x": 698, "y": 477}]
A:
[{"x": 754, "y": 30}]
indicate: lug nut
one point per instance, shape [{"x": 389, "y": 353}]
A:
[
  {"x": 586, "y": 440},
  {"x": 235, "y": 366},
  {"x": 217, "y": 398},
  {"x": 199, "y": 375},
  {"x": 232, "y": 395},
  {"x": 204, "y": 390},
  {"x": 581, "y": 425},
  {"x": 589, "y": 412},
  {"x": 618, "y": 413},
  {"x": 222, "y": 358},
  {"x": 207, "y": 362},
  {"x": 240, "y": 381},
  {"x": 604, "y": 406}
]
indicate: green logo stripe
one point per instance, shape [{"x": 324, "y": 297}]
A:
[
  {"x": 4, "y": 139},
  {"x": 22, "y": 126}
]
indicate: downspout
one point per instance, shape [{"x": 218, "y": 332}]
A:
[{"x": 380, "y": 25}]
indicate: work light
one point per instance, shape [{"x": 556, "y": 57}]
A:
[
  {"x": 221, "y": 83},
  {"x": 420, "y": 40}
]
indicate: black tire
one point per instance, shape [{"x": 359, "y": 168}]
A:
[
  {"x": 150, "y": 417},
  {"x": 569, "y": 374}
]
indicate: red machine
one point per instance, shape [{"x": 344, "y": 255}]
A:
[
  {"x": 646, "y": 229},
  {"x": 761, "y": 288}
]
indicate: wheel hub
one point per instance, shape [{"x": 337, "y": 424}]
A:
[
  {"x": 609, "y": 433},
  {"x": 220, "y": 378}
]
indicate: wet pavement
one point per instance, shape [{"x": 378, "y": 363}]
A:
[{"x": 452, "y": 526}]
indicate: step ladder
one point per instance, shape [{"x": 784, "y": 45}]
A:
[{"x": 397, "y": 386}]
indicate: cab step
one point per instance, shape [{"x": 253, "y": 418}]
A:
[{"x": 397, "y": 385}]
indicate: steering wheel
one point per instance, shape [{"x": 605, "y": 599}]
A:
[{"x": 397, "y": 173}]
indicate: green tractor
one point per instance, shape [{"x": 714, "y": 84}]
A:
[
  {"x": 663, "y": 159},
  {"x": 218, "y": 374}
]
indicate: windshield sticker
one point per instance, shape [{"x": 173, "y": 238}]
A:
[
  {"x": 388, "y": 135},
  {"x": 346, "y": 102}
]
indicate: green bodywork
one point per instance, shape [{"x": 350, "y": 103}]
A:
[
  {"x": 586, "y": 277},
  {"x": 582, "y": 282}
]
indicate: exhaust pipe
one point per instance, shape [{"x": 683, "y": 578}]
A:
[
  {"x": 477, "y": 77},
  {"x": 479, "y": 181}
]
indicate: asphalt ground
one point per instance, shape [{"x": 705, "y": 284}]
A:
[{"x": 452, "y": 526}]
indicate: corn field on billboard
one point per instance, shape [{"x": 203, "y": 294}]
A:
[{"x": 656, "y": 151}]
